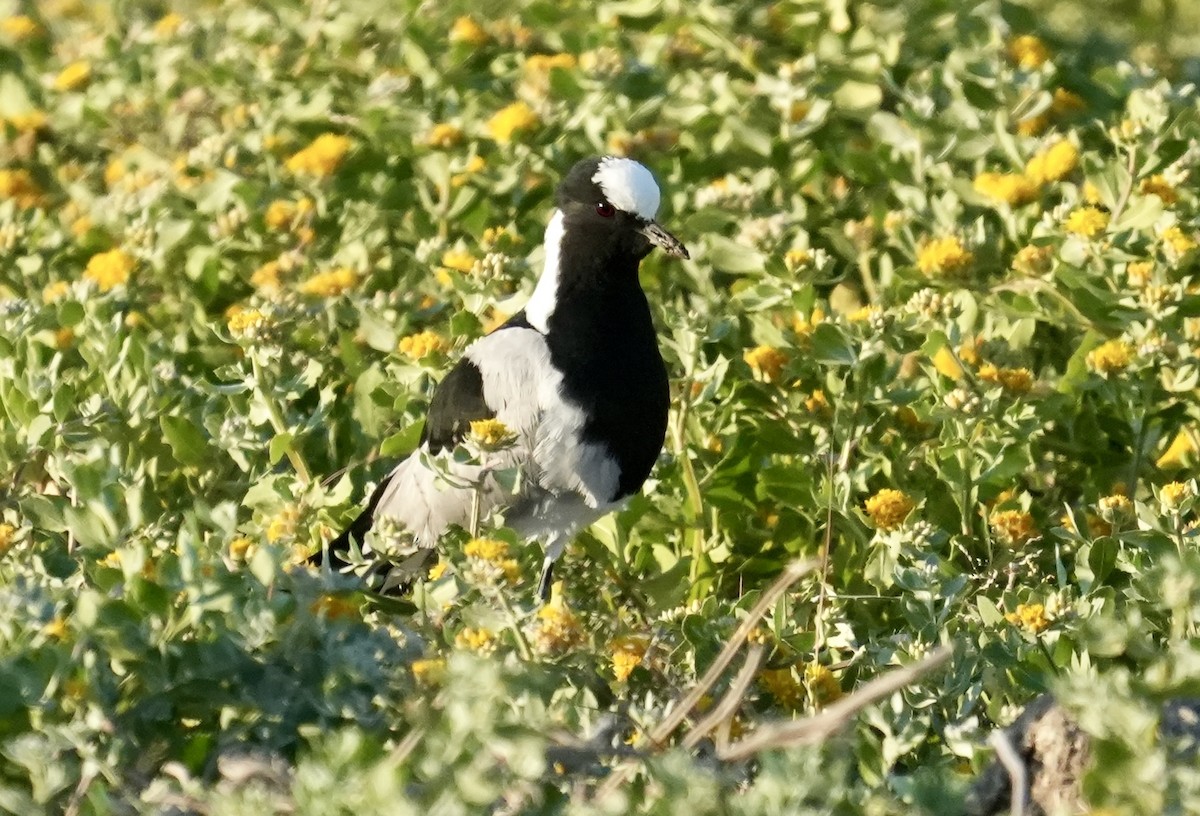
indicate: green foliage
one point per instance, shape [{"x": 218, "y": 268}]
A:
[{"x": 940, "y": 332}]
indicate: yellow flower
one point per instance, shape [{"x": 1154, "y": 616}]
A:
[
  {"x": 824, "y": 686},
  {"x": 942, "y": 257},
  {"x": 863, "y": 314},
  {"x": 281, "y": 214},
  {"x": 1013, "y": 189},
  {"x": 283, "y": 524},
  {"x": 1067, "y": 102},
  {"x": 804, "y": 326},
  {"x": 817, "y": 403},
  {"x": 7, "y": 533},
  {"x": 1115, "y": 506},
  {"x": 168, "y": 25},
  {"x": 798, "y": 110},
  {"x": 457, "y": 259},
  {"x": 438, "y": 569},
  {"x": 422, "y": 344},
  {"x": 1033, "y": 260},
  {"x": 19, "y": 186},
  {"x": 330, "y": 283},
  {"x": 240, "y": 547},
  {"x": 55, "y": 291},
  {"x": 322, "y": 157},
  {"x": 477, "y": 640},
  {"x": 544, "y": 63},
  {"x": 628, "y": 652},
  {"x": 29, "y": 121},
  {"x": 1028, "y": 52},
  {"x": 64, "y": 338},
  {"x": 766, "y": 362},
  {"x": 335, "y": 607},
  {"x": 1110, "y": 357},
  {"x": 444, "y": 136},
  {"x": 56, "y": 628},
  {"x": 247, "y": 323},
  {"x": 556, "y": 628},
  {"x": 1177, "y": 242},
  {"x": 474, "y": 165},
  {"x": 1086, "y": 221},
  {"x": 466, "y": 30},
  {"x": 1173, "y": 494},
  {"x": 888, "y": 508},
  {"x": 19, "y": 27},
  {"x": 794, "y": 259},
  {"x": 487, "y": 549},
  {"x": 429, "y": 671},
  {"x": 1033, "y": 125},
  {"x": 109, "y": 269},
  {"x": 1181, "y": 450},
  {"x": 266, "y": 277},
  {"x": 784, "y": 686},
  {"x": 1017, "y": 380},
  {"x": 1159, "y": 186},
  {"x": 510, "y": 120},
  {"x": 1054, "y": 163},
  {"x": 74, "y": 76},
  {"x": 1139, "y": 273},
  {"x": 491, "y": 434},
  {"x": 1031, "y": 617},
  {"x": 1091, "y": 193},
  {"x": 1013, "y": 527}
]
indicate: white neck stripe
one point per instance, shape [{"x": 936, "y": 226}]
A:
[{"x": 541, "y": 302}]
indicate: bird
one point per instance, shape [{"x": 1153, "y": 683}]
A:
[{"x": 576, "y": 377}]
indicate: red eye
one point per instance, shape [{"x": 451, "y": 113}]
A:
[{"x": 605, "y": 210}]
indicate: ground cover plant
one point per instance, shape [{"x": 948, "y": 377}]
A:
[{"x": 936, "y": 349}]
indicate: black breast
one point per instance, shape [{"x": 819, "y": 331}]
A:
[{"x": 602, "y": 338}]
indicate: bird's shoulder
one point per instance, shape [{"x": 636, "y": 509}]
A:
[{"x": 498, "y": 375}]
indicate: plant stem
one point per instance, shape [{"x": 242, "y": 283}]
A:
[{"x": 275, "y": 413}]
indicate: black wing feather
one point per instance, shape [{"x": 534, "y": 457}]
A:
[{"x": 457, "y": 402}]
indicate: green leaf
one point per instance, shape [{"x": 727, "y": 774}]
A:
[
  {"x": 279, "y": 446},
  {"x": 187, "y": 440},
  {"x": 831, "y": 347}
]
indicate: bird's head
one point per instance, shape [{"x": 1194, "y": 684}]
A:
[{"x": 609, "y": 205}]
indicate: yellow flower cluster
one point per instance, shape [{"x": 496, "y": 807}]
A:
[
  {"x": 458, "y": 259},
  {"x": 1033, "y": 260},
  {"x": 1139, "y": 273},
  {"x": 556, "y": 628},
  {"x": 784, "y": 686},
  {"x": 466, "y": 30},
  {"x": 282, "y": 214},
  {"x": 1159, "y": 186},
  {"x": 1014, "y": 189},
  {"x": 429, "y": 671},
  {"x": 804, "y": 325},
  {"x": 545, "y": 63},
  {"x": 19, "y": 27},
  {"x": 19, "y": 186},
  {"x": 322, "y": 157},
  {"x": 491, "y": 434},
  {"x": 1086, "y": 221},
  {"x": 1173, "y": 494},
  {"x": 1031, "y": 617},
  {"x": 168, "y": 25},
  {"x": 1054, "y": 163},
  {"x": 628, "y": 652},
  {"x": 330, "y": 283},
  {"x": 29, "y": 121},
  {"x": 1178, "y": 242},
  {"x": 57, "y": 290},
  {"x": 74, "y": 76},
  {"x": 422, "y": 344},
  {"x": 109, "y": 269},
  {"x": 1028, "y": 52},
  {"x": 1013, "y": 527},
  {"x": 888, "y": 508},
  {"x": 444, "y": 136},
  {"x": 1110, "y": 357},
  {"x": 1114, "y": 507},
  {"x": 491, "y": 560},
  {"x": 942, "y": 257},
  {"x": 766, "y": 362},
  {"x": 476, "y": 640},
  {"x": 335, "y": 607},
  {"x": 795, "y": 259},
  {"x": 247, "y": 322},
  {"x": 7, "y": 533},
  {"x": 1016, "y": 380},
  {"x": 283, "y": 524},
  {"x": 821, "y": 683},
  {"x": 240, "y": 548},
  {"x": 507, "y": 122}
]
